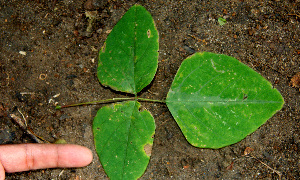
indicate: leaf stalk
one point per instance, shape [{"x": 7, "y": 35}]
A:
[
  {"x": 95, "y": 102},
  {"x": 151, "y": 100},
  {"x": 110, "y": 101}
]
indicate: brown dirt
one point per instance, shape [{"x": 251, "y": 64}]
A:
[{"x": 61, "y": 58}]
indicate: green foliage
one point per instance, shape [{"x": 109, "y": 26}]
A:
[
  {"x": 128, "y": 59},
  {"x": 221, "y": 21},
  {"x": 218, "y": 101},
  {"x": 127, "y": 62},
  {"x": 215, "y": 99},
  {"x": 123, "y": 139}
]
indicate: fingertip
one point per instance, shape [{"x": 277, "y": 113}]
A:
[
  {"x": 75, "y": 156},
  {"x": 24, "y": 157},
  {"x": 87, "y": 156}
]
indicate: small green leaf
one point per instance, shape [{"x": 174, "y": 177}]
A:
[
  {"x": 123, "y": 138},
  {"x": 221, "y": 21},
  {"x": 218, "y": 101},
  {"x": 128, "y": 59}
]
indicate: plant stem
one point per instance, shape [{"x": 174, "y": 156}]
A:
[
  {"x": 151, "y": 100},
  {"x": 111, "y": 100},
  {"x": 95, "y": 102}
]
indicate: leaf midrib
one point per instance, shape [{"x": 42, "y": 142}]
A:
[
  {"x": 229, "y": 101},
  {"x": 134, "y": 49}
]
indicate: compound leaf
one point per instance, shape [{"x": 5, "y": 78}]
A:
[
  {"x": 128, "y": 59},
  {"x": 218, "y": 101},
  {"x": 123, "y": 138}
]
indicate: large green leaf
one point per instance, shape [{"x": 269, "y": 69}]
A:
[
  {"x": 123, "y": 138},
  {"x": 128, "y": 59},
  {"x": 218, "y": 101}
]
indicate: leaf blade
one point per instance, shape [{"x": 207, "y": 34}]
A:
[
  {"x": 128, "y": 60},
  {"x": 211, "y": 93},
  {"x": 123, "y": 139}
]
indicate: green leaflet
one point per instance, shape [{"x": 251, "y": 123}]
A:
[
  {"x": 123, "y": 138},
  {"x": 218, "y": 101},
  {"x": 128, "y": 59}
]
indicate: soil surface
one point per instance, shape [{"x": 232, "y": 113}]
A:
[{"x": 48, "y": 55}]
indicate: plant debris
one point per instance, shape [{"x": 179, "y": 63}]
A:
[{"x": 295, "y": 81}]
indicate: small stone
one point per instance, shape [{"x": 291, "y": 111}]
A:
[
  {"x": 23, "y": 53},
  {"x": 95, "y": 4},
  {"x": 189, "y": 49}
]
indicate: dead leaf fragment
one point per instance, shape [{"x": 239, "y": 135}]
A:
[
  {"x": 186, "y": 167},
  {"x": 295, "y": 81},
  {"x": 230, "y": 167},
  {"x": 248, "y": 150}
]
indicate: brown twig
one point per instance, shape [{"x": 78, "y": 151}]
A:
[
  {"x": 297, "y": 15},
  {"x": 23, "y": 125},
  {"x": 247, "y": 152},
  {"x": 274, "y": 170}
]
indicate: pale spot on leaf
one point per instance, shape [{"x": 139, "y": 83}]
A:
[
  {"x": 103, "y": 48},
  {"x": 148, "y": 149},
  {"x": 148, "y": 33}
]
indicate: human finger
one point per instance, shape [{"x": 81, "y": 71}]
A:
[
  {"x": 2, "y": 172},
  {"x": 24, "y": 157}
]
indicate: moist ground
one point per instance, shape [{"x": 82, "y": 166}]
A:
[{"x": 48, "y": 54}]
